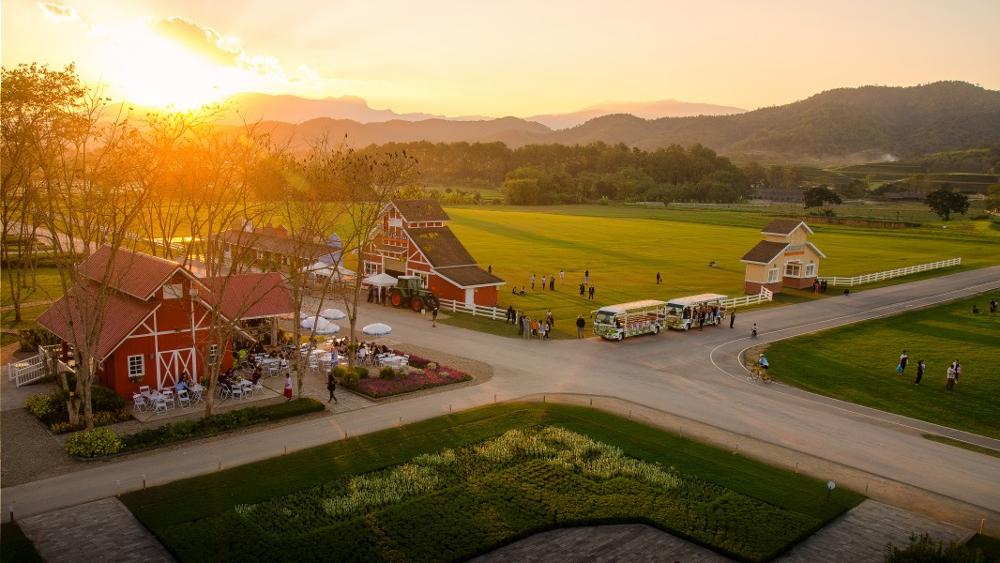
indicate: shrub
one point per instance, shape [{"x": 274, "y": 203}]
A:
[
  {"x": 105, "y": 399},
  {"x": 432, "y": 366},
  {"x": 43, "y": 405},
  {"x": 361, "y": 371},
  {"x": 95, "y": 443},
  {"x": 31, "y": 338},
  {"x": 387, "y": 373},
  {"x": 923, "y": 549},
  {"x": 339, "y": 372},
  {"x": 349, "y": 380},
  {"x": 418, "y": 362}
]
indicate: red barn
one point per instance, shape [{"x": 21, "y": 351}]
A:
[
  {"x": 416, "y": 241},
  {"x": 154, "y": 316}
]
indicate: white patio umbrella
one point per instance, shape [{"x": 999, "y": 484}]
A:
[
  {"x": 328, "y": 328},
  {"x": 377, "y": 329},
  {"x": 318, "y": 323},
  {"x": 380, "y": 280},
  {"x": 333, "y": 314}
]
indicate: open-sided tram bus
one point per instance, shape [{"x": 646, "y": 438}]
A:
[{"x": 618, "y": 322}]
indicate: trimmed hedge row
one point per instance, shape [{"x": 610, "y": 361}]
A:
[
  {"x": 232, "y": 420},
  {"x": 101, "y": 442}
]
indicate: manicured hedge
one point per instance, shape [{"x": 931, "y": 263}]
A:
[
  {"x": 232, "y": 420},
  {"x": 457, "y": 503},
  {"x": 412, "y": 381},
  {"x": 50, "y": 408}
]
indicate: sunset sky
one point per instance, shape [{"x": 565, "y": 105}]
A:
[{"x": 505, "y": 58}]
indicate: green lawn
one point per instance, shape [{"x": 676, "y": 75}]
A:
[
  {"x": 624, "y": 248},
  {"x": 352, "y": 497},
  {"x": 15, "y": 547},
  {"x": 857, "y": 364},
  {"x": 47, "y": 286}
]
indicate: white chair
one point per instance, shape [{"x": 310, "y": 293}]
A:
[
  {"x": 168, "y": 397},
  {"x": 196, "y": 394},
  {"x": 236, "y": 390},
  {"x": 258, "y": 388},
  {"x": 138, "y": 403},
  {"x": 144, "y": 390},
  {"x": 247, "y": 389},
  {"x": 224, "y": 391},
  {"x": 159, "y": 406},
  {"x": 183, "y": 399}
]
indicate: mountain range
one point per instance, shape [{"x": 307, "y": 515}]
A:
[
  {"x": 846, "y": 125},
  {"x": 293, "y": 109}
]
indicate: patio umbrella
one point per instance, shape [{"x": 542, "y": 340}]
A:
[
  {"x": 377, "y": 329},
  {"x": 333, "y": 314},
  {"x": 318, "y": 323},
  {"x": 328, "y": 328}
]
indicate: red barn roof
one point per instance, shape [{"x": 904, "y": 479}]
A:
[
  {"x": 121, "y": 312},
  {"x": 132, "y": 273},
  {"x": 249, "y": 296}
]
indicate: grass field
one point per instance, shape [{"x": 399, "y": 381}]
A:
[
  {"x": 47, "y": 286},
  {"x": 731, "y": 503},
  {"x": 624, "y": 248},
  {"x": 857, "y": 364}
]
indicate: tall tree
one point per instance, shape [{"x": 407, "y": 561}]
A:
[{"x": 944, "y": 202}]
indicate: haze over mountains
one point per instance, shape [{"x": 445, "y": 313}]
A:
[{"x": 845, "y": 125}]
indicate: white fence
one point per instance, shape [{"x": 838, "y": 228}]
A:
[
  {"x": 28, "y": 370},
  {"x": 889, "y": 274},
  {"x": 474, "y": 310},
  {"x": 764, "y": 295}
]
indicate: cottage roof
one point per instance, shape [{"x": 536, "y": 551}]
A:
[
  {"x": 277, "y": 244},
  {"x": 784, "y": 227},
  {"x": 469, "y": 276},
  {"x": 249, "y": 296},
  {"x": 441, "y": 247},
  {"x": 122, "y": 313},
  {"x": 420, "y": 210},
  {"x": 133, "y": 273},
  {"x": 764, "y": 252}
]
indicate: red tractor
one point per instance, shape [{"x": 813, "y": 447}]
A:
[{"x": 409, "y": 293}]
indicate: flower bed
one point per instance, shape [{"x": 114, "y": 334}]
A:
[
  {"x": 413, "y": 380},
  {"x": 459, "y": 502}
]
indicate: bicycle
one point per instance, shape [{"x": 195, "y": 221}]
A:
[{"x": 757, "y": 374}]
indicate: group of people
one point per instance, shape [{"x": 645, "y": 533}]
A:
[
  {"x": 703, "y": 314},
  {"x": 993, "y": 307},
  {"x": 528, "y": 327},
  {"x": 549, "y": 280},
  {"x": 952, "y": 374},
  {"x": 819, "y": 286}
]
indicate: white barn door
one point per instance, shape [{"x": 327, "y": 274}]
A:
[{"x": 172, "y": 364}]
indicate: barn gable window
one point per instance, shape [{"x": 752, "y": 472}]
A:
[
  {"x": 136, "y": 365},
  {"x": 173, "y": 291}
]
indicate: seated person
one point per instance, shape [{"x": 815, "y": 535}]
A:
[
  {"x": 182, "y": 384},
  {"x": 256, "y": 375}
]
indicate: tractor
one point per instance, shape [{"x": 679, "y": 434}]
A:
[{"x": 408, "y": 293}]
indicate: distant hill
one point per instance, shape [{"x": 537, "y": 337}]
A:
[
  {"x": 645, "y": 110},
  {"x": 847, "y": 125},
  {"x": 293, "y": 109}
]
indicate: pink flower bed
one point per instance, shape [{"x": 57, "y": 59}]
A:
[{"x": 378, "y": 387}]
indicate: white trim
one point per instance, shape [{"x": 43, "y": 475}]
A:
[
  {"x": 142, "y": 365},
  {"x": 816, "y": 250},
  {"x": 801, "y": 224},
  {"x": 151, "y": 313}
]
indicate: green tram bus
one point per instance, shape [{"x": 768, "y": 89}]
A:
[
  {"x": 682, "y": 312},
  {"x": 618, "y": 322}
]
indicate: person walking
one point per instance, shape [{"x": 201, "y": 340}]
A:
[
  {"x": 920, "y": 372},
  {"x": 958, "y": 370},
  {"x": 331, "y": 386},
  {"x": 549, "y": 318},
  {"x": 591, "y": 293},
  {"x": 532, "y": 282},
  {"x": 753, "y": 331},
  {"x": 543, "y": 282},
  {"x": 583, "y": 288},
  {"x": 546, "y": 327},
  {"x": 701, "y": 320},
  {"x": 951, "y": 378},
  {"x": 732, "y": 319},
  {"x": 489, "y": 269},
  {"x": 903, "y": 359},
  {"x": 993, "y": 306},
  {"x": 288, "y": 387},
  {"x": 535, "y": 327},
  {"x": 586, "y": 276},
  {"x": 659, "y": 278},
  {"x": 580, "y": 324},
  {"x": 434, "y": 316},
  {"x": 552, "y": 282},
  {"x": 562, "y": 275},
  {"x": 525, "y": 326}
]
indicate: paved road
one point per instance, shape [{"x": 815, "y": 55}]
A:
[{"x": 693, "y": 375}]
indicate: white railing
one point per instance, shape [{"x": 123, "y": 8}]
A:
[
  {"x": 889, "y": 274},
  {"x": 764, "y": 295},
  {"x": 474, "y": 310},
  {"x": 28, "y": 370}
]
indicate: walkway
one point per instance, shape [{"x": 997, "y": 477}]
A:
[
  {"x": 96, "y": 532},
  {"x": 636, "y": 543},
  {"x": 861, "y": 535},
  {"x": 688, "y": 375}
]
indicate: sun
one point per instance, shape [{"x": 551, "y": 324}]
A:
[{"x": 149, "y": 70}]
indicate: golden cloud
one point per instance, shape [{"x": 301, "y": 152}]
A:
[
  {"x": 59, "y": 11},
  {"x": 203, "y": 40}
]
